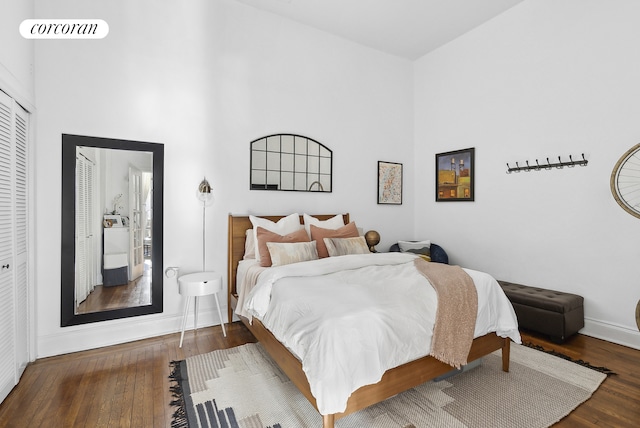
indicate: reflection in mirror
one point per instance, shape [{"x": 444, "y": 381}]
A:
[
  {"x": 290, "y": 162},
  {"x": 111, "y": 229}
]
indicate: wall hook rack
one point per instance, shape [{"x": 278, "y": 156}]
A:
[{"x": 549, "y": 165}]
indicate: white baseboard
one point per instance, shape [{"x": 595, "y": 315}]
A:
[
  {"x": 611, "y": 333},
  {"x": 107, "y": 333}
]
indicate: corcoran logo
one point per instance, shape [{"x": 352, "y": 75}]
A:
[{"x": 64, "y": 29}]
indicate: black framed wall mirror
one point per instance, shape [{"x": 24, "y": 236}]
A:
[{"x": 112, "y": 229}]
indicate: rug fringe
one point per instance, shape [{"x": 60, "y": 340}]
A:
[
  {"x": 581, "y": 362},
  {"x": 180, "y": 415}
]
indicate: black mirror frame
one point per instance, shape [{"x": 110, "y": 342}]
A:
[{"x": 68, "y": 317}]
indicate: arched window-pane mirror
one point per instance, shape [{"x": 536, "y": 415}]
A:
[
  {"x": 290, "y": 162},
  {"x": 112, "y": 198}
]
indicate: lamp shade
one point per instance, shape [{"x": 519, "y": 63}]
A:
[
  {"x": 204, "y": 186},
  {"x": 204, "y": 194}
]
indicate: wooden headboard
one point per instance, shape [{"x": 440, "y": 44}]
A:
[{"x": 238, "y": 226}]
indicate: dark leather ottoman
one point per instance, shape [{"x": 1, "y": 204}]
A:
[{"x": 555, "y": 313}]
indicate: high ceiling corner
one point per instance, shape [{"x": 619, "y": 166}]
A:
[{"x": 404, "y": 28}]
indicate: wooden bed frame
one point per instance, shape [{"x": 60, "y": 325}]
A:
[{"x": 393, "y": 381}]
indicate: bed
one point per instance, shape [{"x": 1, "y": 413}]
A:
[{"x": 393, "y": 381}]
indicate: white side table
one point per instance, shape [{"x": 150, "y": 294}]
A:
[{"x": 196, "y": 285}]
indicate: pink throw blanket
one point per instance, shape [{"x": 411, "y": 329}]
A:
[{"x": 456, "y": 313}]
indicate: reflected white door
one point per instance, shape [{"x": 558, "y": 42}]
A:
[
  {"x": 136, "y": 227},
  {"x": 85, "y": 215}
]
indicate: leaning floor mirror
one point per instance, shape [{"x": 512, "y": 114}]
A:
[{"x": 112, "y": 200}]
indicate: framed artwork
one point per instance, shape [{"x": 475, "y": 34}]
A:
[
  {"x": 389, "y": 183},
  {"x": 454, "y": 175}
]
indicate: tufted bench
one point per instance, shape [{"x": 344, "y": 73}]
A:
[{"x": 555, "y": 313}]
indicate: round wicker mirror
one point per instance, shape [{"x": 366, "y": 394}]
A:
[{"x": 625, "y": 181}]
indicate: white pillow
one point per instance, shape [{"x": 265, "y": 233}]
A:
[
  {"x": 284, "y": 253},
  {"x": 408, "y": 245},
  {"x": 333, "y": 223},
  {"x": 346, "y": 246},
  {"x": 249, "y": 245},
  {"x": 284, "y": 226}
]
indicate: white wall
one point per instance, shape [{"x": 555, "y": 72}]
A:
[
  {"x": 547, "y": 78},
  {"x": 116, "y": 164},
  {"x": 205, "y": 79},
  {"x": 16, "y": 55}
]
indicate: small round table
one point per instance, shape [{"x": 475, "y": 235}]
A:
[{"x": 195, "y": 285}]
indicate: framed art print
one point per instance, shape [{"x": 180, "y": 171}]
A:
[
  {"x": 454, "y": 175},
  {"x": 389, "y": 183}
]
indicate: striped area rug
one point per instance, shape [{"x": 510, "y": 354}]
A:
[{"x": 242, "y": 387}]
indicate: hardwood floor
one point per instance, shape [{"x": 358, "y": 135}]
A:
[
  {"x": 118, "y": 386},
  {"x": 127, "y": 385}
]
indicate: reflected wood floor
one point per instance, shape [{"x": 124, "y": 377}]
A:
[
  {"x": 135, "y": 293},
  {"x": 127, "y": 385}
]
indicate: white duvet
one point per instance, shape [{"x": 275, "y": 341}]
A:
[{"x": 349, "y": 319}]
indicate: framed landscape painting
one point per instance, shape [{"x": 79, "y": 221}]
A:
[
  {"x": 389, "y": 183},
  {"x": 454, "y": 175}
]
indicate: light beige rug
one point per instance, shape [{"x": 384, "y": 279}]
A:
[{"x": 242, "y": 387}]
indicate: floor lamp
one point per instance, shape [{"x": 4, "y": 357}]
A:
[
  {"x": 201, "y": 283},
  {"x": 206, "y": 198}
]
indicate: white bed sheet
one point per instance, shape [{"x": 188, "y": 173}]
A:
[{"x": 351, "y": 318}]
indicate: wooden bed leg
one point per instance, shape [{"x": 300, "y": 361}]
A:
[
  {"x": 506, "y": 350},
  {"x": 328, "y": 421}
]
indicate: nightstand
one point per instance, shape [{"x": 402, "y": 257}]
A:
[{"x": 196, "y": 285}]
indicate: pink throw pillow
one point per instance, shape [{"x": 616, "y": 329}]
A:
[{"x": 318, "y": 234}]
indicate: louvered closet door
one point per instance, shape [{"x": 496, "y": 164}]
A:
[
  {"x": 21, "y": 239},
  {"x": 82, "y": 245},
  {"x": 14, "y": 315},
  {"x": 85, "y": 225},
  {"x": 7, "y": 298}
]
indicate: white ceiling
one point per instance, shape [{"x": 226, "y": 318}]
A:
[{"x": 405, "y": 28}]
